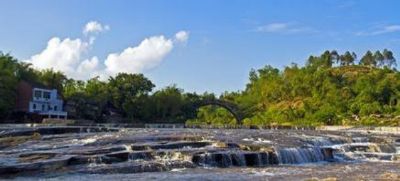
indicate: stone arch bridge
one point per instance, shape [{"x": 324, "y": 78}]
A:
[{"x": 230, "y": 106}]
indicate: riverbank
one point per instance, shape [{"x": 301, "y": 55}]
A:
[{"x": 380, "y": 129}]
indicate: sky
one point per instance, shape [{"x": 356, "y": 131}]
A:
[{"x": 207, "y": 45}]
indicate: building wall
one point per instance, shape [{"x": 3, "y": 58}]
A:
[
  {"x": 24, "y": 96},
  {"x": 46, "y": 102},
  {"x": 42, "y": 104}
]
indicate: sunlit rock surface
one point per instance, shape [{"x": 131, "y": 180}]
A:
[{"x": 87, "y": 153}]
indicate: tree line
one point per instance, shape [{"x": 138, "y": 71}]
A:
[
  {"x": 131, "y": 96},
  {"x": 330, "y": 89}
]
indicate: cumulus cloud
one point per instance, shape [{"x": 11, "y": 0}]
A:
[
  {"x": 283, "y": 28},
  {"x": 379, "y": 31},
  {"x": 182, "y": 36},
  {"x": 148, "y": 54},
  {"x": 94, "y": 27},
  {"x": 70, "y": 55},
  {"x": 88, "y": 68},
  {"x": 60, "y": 55}
]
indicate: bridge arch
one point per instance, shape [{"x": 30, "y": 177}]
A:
[{"x": 229, "y": 106}]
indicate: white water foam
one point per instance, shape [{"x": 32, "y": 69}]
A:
[{"x": 258, "y": 140}]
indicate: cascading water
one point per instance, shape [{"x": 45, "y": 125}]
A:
[
  {"x": 142, "y": 155},
  {"x": 338, "y": 149},
  {"x": 236, "y": 158},
  {"x": 138, "y": 150},
  {"x": 301, "y": 155},
  {"x": 95, "y": 161},
  {"x": 366, "y": 151},
  {"x": 360, "y": 139}
]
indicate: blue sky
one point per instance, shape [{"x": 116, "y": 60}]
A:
[{"x": 222, "y": 40}]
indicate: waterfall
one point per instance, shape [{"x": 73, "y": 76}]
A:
[
  {"x": 95, "y": 161},
  {"x": 222, "y": 159},
  {"x": 300, "y": 155},
  {"x": 252, "y": 159},
  {"x": 216, "y": 159},
  {"x": 264, "y": 159},
  {"x": 365, "y": 151},
  {"x": 140, "y": 156},
  {"x": 173, "y": 156},
  {"x": 366, "y": 147},
  {"x": 238, "y": 158},
  {"x": 360, "y": 139}
]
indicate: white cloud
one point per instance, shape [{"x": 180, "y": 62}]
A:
[
  {"x": 88, "y": 68},
  {"x": 60, "y": 55},
  {"x": 287, "y": 28},
  {"x": 379, "y": 31},
  {"x": 273, "y": 27},
  {"x": 94, "y": 27},
  {"x": 148, "y": 54},
  {"x": 182, "y": 36},
  {"x": 70, "y": 56}
]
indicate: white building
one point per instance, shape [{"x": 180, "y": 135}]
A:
[{"x": 46, "y": 102}]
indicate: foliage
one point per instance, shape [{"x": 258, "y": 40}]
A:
[
  {"x": 8, "y": 81},
  {"x": 213, "y": 115},
  {"x": 127, "y": 92},
  {"x": 331, "y": 89}
]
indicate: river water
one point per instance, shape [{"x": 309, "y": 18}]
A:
[{"x": 94, "y": 153}]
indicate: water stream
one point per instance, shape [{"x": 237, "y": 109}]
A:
[{"x": 64, "y": 152}]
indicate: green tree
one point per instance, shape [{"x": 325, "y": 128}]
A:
[
  {"x": 169, "y": 103},
  {"x": 368, "y": 59},
  {"x": 26, "y": 72},
  {"x": 52, "y": 79},
  {"x": 389, "y": 58},
  {"x": 347, "y": 59},
  {"x": 335, "y": 56},
  {"x": 379, "y": 58},
  {"x": 126, "y": 92},
  {"x": 8, "y": 81}
]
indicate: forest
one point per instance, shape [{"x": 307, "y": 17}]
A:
[{"x": 330, "y": 89}]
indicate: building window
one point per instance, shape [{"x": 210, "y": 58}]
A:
[
  {"x": 43, "y": 107},
  {"x": 38, "y": 94},
  {"x": 46, "y": 95},
  {"x": 55, "y": 108},
  {"x": 48, "y": 107},
  {"x": 34, "y": 106}
]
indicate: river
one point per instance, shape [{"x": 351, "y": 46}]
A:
[{"x": 99, "y": 153}]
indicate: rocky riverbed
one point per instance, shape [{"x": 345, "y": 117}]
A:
[{"x": 87, "y": 153}]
